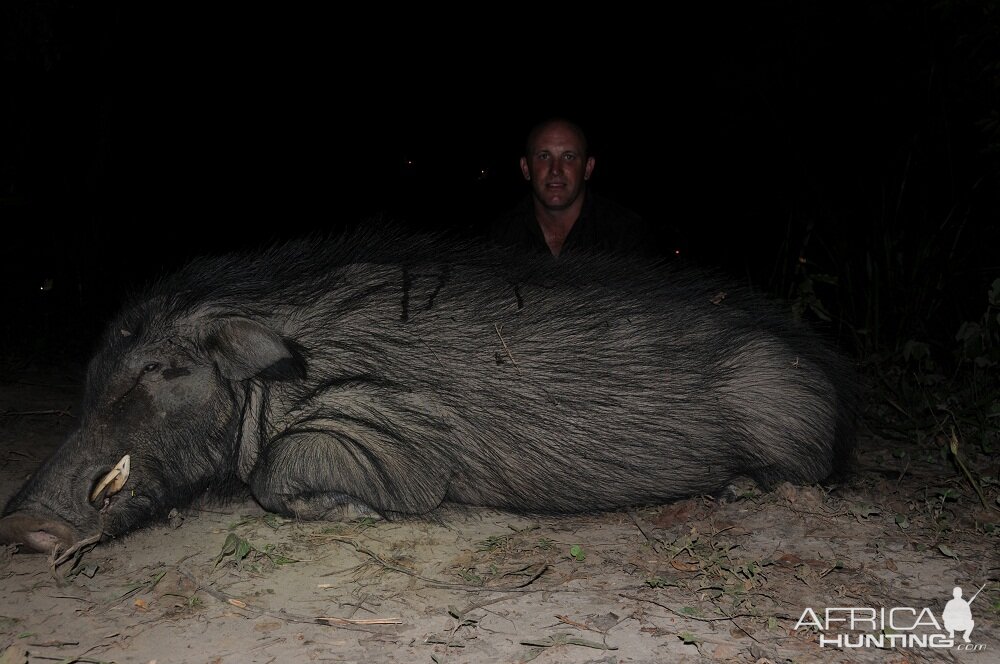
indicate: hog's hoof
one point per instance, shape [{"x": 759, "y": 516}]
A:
[
  {"x": 737, "y": 490},
  {"x": 328, "y": 507}
]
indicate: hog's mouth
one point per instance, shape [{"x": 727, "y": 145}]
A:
[{"x": 40, "y": 529}]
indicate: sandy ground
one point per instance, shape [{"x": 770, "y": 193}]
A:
[{"x": 694, "y": 581}]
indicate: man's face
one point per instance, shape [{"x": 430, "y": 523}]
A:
[{"x": 557, "y": 166}]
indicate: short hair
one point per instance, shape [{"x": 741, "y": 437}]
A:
[{"x": 544, "y": 124}]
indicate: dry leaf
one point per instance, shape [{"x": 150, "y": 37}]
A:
[{"x": 684, "y": 567}]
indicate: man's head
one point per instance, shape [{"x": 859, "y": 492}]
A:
[{"x": 556, "y": 163}]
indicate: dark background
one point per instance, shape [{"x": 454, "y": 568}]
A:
[{"x": 772, "y": 140}]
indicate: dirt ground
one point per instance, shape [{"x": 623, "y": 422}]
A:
[{"x": 694, "y": 581}]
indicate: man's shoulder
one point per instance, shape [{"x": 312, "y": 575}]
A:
[
  {"x": 608, "y": 209},
  {"x": 512, "y": 225},
  {"x": 607, "y": 225}
]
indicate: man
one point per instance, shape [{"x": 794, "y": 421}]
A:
[{"x": 561, "y": 216}]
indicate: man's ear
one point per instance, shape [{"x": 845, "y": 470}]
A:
[
  {"x": 591, "y": 162},
  {"x": 243, "y": 348},
  {"x": 524, "y": 168}
]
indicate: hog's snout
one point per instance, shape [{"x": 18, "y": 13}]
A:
[{"x": 37, "y": 531}]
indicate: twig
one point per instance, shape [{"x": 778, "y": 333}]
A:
[
  {"x": 71, "y": 552},
  {"x": 732, "y": 619},
  {"x": 569, "y": 621},
  {"x": 334, "y": 620},
  {"x": 480, "y": 605},
  {"x": 520, "y": 587},
  {"x": 653, "y": 543},
  {"x": 953, "y": 447},
  {"x": 357, "y": 625},
  {"x": 19, "y": 413},
  {"x": 78, "y": 658},
  {"x": 498, "y": 328},
  {"x": 902, "y": 474},
  {"x": 23, "y": 455},
  {"x": 686, "y": 616},
  {"x": 460, "y": 622},
  {"x": 565, "y": 640},
  {"x": 360, "y": 605}
]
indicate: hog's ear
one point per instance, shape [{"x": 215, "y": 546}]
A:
[{"x": 243, "y": 348}]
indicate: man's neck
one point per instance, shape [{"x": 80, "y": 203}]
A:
[{"x": 557, "y": 224}]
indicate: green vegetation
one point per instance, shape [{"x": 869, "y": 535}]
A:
[{"x": 242, "y": 551}]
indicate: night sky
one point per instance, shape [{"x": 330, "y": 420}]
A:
[{"x": 134, "y": 138}]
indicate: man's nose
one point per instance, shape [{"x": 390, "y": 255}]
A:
[{"x": 556, "y": 166}]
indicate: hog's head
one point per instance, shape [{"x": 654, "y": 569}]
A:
[{"x": 160, "y": 425}]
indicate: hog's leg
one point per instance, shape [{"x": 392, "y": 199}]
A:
[
  {"x": 323, "y": 475},
  {"x": 328, "y": 506}
]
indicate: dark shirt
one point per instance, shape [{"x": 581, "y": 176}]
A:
[{"x": 603, "y": 226}]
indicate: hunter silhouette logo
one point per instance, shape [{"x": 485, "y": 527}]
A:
[
  {"x": 900, "y": 626},
  {"x": 957, "y": 615}
]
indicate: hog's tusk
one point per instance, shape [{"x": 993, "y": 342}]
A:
[{"x": 114, "y": 480}]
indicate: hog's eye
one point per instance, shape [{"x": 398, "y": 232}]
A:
[{"x": 151, "y": 367}]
